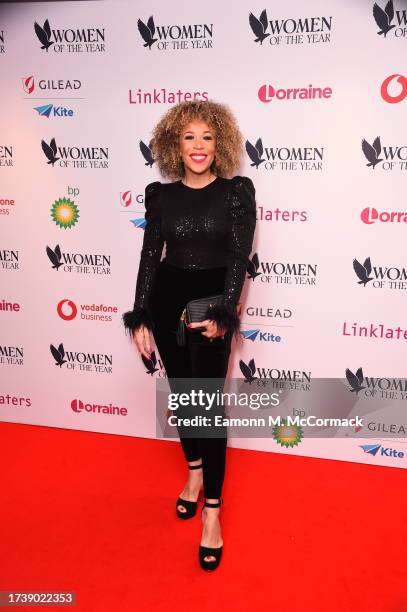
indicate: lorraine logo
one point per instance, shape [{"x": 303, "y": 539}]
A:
[
  {"x": 55, "y": 111},
  {"x": 373, "y": 449},
  {"x": 64, "y": 213},
  {"x": 28, "y": 84},
  {"x": 267, "y": 93},
  {"x": 288, "y": 435},
  {"x": 372, "y": 152},
  {"x": 44, "y": 34},
  {"x": 67, "y": 310},
  {"x": 355, "y": 380},
  {"x": 363, "y": 271},
  {"x": 147, "y": 153},
  {"x": 391, "y": 97},
  {"x": 255, "y": 152},
  {"x": 371, "y": 215}
]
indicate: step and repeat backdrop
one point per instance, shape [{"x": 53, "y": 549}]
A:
[{"x": 320, "y": 93}]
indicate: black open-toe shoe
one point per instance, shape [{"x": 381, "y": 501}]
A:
[
  {"x": 190, "y": 506},
  {"x": 205, "y": 551}
]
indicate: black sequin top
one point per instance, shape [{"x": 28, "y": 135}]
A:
[{"x": 202, "y": 228}]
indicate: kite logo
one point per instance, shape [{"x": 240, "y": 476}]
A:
[
  {"x": 256, "y": 334},
  {"x": 55, "y": 111},
  {"x": 373, "y": 449}
]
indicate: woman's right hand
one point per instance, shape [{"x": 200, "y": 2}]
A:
[{"x": 142, "y": 339}]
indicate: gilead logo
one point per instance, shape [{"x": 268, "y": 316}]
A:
[
  {"x": 78, "y": 405},
  {"x": 390, "y": 92},
  {"x": 371, "y": 215},
  {"x": 267, "y": 93}
]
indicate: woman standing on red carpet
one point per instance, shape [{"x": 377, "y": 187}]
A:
[{"x": 207, "y": 222}]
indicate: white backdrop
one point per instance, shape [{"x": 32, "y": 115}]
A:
[{"x": 98, "y": 92}]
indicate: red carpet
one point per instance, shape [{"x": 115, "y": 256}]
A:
[{"x": 95, "y": 514}]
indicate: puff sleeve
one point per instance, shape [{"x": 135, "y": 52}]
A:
[
  {"x": 150, "y": 257},
  {"x": 242, "y": 209}
]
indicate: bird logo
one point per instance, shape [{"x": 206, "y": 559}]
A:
[
  {"x": 147, "y": 32},
  {"x": 252, "y": 267},
  {"x": 150, "y": 363},
  {"x": 54, "y": 257},
  {"x": 44, "y": 34},
  {"x": 259, "y": 26},
  {"x": 255, "y": 152},
  {"x": 58, "y": 354},
  {"x": 50, "y": 151},
  {"x": 147, "y": 153},
  {"x": 383, "y": 18},
  {"x": 355, "y": 380},
  {"x": 372, "y": 152},
  {"x": 363, "y": 271},
  {"x": 248, "y": 370}
]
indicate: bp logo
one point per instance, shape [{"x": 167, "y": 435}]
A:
[
  {"x": 288, "y": 435},
  {"x": 64, "y": 213}
]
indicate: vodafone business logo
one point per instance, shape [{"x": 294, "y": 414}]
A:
[{"x": 394, "y": 88}]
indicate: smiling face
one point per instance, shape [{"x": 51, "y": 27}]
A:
[{"x": 197, "y": 147}]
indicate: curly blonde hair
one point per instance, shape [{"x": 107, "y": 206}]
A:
[{"x": 229, "y": 140}]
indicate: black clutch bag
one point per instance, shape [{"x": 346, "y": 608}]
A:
[{"x": 194, "y": 311}]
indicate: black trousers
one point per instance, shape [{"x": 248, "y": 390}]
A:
[{"x": 199, "y": 359}]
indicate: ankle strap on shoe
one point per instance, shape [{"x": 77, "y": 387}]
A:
[
  {"x": 213, "y": 504},
  {"x": 194, "y": 467}
]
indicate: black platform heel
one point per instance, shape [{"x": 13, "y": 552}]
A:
[
  {"x": 205, "y": 551},
  {"x": 190, "y": 506}
]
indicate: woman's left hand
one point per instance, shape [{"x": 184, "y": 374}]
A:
[{"x": 212, "y": 330}]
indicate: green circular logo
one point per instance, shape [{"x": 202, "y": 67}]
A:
[
  {"x": 287, "y": 435},
  {"x": 64, "y": 212}
]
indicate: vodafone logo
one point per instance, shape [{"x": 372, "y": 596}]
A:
[
  {"x": 372, "y": 215},
  {"x": 394, "y": 89},
  {"x": 268, "y": 93},
  {"x": 67, "y": 310}
]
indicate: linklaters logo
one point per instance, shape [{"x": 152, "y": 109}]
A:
[
  {"x": 389, "y": 20},
  {"x": 282, "y": 273},
  {"x": 75, "y": 157},
  {"x": 288, "y": 435},
  {"x": 291, "y": 31},
  {"x": 388, "y": 158},
  {"x": 70, "y": 40},
  {"x": 380, "y": 277},
  {"x": 302, "y": 159},
  {"x": 175, "y": 37}
]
